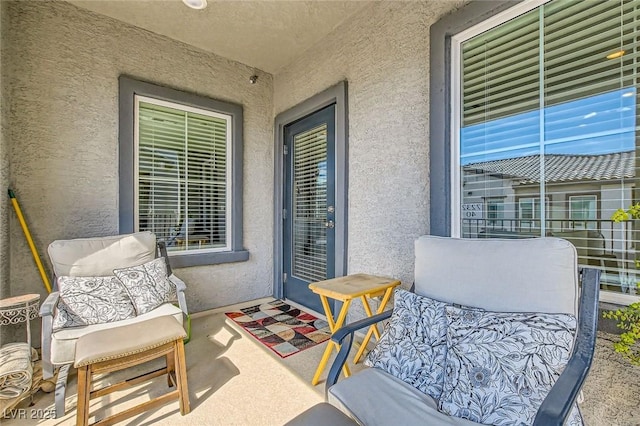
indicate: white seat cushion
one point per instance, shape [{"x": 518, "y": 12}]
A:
[
  {"x": 94, "y": 257},
  {"x": 121, "y": 342},
  {"x": 377, "y": 398},
  {"x": 63, "y": 343},
  {"x": 504, "y": 275}
]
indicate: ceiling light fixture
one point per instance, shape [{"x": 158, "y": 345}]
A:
[
  {"x": 253, "y": 79},
  {"x": 195, "y": 4},
  {"x": 615, "y": 55}
]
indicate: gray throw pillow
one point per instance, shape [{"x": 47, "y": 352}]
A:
[
  {"x": 148, "y": 285},
  {"x": 413, "y": 345},
  {"x": 500, "y": 366},
  {"x": 91, "y": 300}
]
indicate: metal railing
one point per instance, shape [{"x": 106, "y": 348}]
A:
[{"x": 603, "y": 244}]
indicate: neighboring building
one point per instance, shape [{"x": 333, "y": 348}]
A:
[{"x": 501, "y": 198}]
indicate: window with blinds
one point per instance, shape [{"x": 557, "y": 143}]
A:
[
  {"x": 182, "y": 170},
  {"x": 309, "y": 257},
  {"x": 548, "y": 110}
]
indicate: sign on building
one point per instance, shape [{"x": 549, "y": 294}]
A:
[{"x": 472, "y": 211}]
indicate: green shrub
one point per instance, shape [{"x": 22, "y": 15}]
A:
[{"x": 628, "y": 318}]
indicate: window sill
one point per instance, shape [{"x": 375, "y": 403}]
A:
[{"x": 199, "y": 259}]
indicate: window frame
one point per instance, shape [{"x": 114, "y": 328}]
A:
[
  {"x": 443, "y": 144},
  {"x": 497, "y": 202},
  {"x": 129, "y": 88},
  {"x": 456, "y": 93},
  {"x": 228, "y": 179},
  {"x": 536, "y": 210},
  {"x": 440, "y": 105},
  {"x": 528, "y": 200},
  {"x": 591, "y": 196}
]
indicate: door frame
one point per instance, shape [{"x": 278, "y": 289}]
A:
[{"x": 333, "y": 95}]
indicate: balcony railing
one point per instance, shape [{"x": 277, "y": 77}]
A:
[{"x": 603, "y": 244}]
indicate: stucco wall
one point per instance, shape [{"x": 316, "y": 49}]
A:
[
  {"x": 6, "y": 333},
  {"x": 4, "y": 168},
  {"x": 63, "y": 133},
  {"x": 383, "y": 53}
]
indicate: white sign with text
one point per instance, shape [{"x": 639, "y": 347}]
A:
[{"x": 472, "y": 211}]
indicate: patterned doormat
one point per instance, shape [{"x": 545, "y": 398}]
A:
[{"x": 283, "y": 328}]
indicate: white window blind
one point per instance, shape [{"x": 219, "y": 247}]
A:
[
  {"x": 549, "y": 110},
  {"x": 183, "y": 175},
  {"x": 309, "y": 257}
]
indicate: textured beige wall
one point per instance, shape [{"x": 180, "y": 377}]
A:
[
  {"x": 63, "y": 134},
  {"x": 383, "y": 53},
  {"x": 4, "y": 169},
  {"x": 5, "y": 291}
]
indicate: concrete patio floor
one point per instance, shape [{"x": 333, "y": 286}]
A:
[
  {"x": 232, "y": 381},
  {"x": 235, "y": 381}
]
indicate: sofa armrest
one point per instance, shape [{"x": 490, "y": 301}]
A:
[
  {"x": 344, "y": 338},
  {"x": 557, "y": 406},
  {"x": 181, "y": 287},
  {"x": 48, "y": 306},
  {"x": 47, "y": 310},
  {"x": 343, "y": 331}
]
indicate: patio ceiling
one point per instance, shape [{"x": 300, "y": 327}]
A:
[{"x": 266, "y": 35}]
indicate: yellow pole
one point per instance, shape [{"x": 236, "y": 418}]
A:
[{"x": 32, "y": 246}]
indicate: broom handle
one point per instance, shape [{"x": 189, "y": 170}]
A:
[{"x": 32, "y": 246}]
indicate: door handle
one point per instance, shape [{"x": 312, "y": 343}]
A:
[{"x": 329, "y": 224}]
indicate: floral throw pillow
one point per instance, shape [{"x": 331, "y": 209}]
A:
[
  {"x": 91, "y": 300},
  {"x": 500, "y": 366},
  {"x": 413, "y": 345},
  {"x": 147, "y": 285}
]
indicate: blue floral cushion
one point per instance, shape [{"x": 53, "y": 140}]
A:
[
  {"x": 91, "y": 300},
  {"x": 500, "y": 366},
  {"x": 413, "y": 345},
  {"x": 148, "y": 285}
]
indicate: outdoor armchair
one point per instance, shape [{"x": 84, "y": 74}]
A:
[
  {"x": 527, "y": 287},
  {"x": 100, "y": 299}
]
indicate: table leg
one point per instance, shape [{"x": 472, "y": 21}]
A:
[
  {"x": 367, "y": 309},
  {"x": 327, "y": 312},
  {"x": 333, "y": 326},
  {"x": 373, "y": 328}
]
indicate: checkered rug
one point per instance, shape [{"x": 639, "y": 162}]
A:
[{"x": 283, "y": 328}]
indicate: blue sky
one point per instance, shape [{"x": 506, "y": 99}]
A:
[{"x": 598, "y": 124}]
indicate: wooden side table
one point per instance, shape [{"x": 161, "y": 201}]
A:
[{"x": 345, "y": 289}]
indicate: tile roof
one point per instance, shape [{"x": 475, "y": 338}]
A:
[{"x": 561, "y": 167}]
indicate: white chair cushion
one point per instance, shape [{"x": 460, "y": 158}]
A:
[
  {"x": 373, "y": 397},
  {"x": 63, "y": 343},
  {"x": 505, "y": 275},
  {"x": 100, "y": 256}
]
